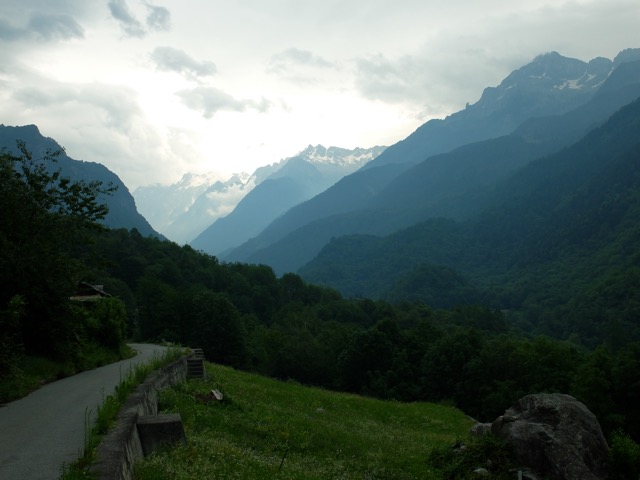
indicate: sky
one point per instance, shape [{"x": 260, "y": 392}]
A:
[{"x": 154, "y": 89}]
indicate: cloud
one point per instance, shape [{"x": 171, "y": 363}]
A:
[
  {"x": 298, "y": 66},
  {"x": 43, "y": 27},
  {"x": 129, "y": 23},
  {"x": 295, "y": 57},
  {"x": 379, "y": 78},
  {"x": 158, "y": 18},
  {"x": 54, "y": 27},
  {"x": 10, "y": 33},
  {"x": 174, "y": 60},
  {"x": 118, "y": 105},
  {"x": 102, "y": 123},
  {"x": 431, "y": 82},
  {"x": 210, "y": 100}
]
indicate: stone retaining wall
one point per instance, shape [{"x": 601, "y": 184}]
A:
[{"x": 121, "y": 447}]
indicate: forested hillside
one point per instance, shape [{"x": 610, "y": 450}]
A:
[
  {"x": 560, "y": 233},
  {"x": 247, "y": 317}
]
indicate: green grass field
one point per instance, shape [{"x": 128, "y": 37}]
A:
[{"x": 265, "y": 429}]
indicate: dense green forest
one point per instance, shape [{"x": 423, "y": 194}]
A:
[{"x": 247, "y": 317}]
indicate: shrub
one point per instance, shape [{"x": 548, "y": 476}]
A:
[
  {"x": 624, "y": 457},
  {"x": 488, "y": 452}
]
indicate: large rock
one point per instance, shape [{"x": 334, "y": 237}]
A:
[{"x": 555, "y": 435}]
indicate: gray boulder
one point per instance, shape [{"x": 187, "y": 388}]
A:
[{"x": 555, "y": 435}]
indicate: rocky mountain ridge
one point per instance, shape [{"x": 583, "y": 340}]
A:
[
  {"x": 297, "y": 179},
  {"x": 183, "y": 210}
]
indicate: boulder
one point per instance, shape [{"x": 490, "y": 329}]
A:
[{"x": 555, "y": 435}]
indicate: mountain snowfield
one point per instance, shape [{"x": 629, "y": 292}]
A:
[{"x": 182, "y": 210}]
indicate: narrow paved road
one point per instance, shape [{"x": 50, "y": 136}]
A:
[{"x": 45, "y": 429}]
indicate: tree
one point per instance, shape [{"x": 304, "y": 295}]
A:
[
  {"x": 43, "y": 214},
  {"x": 594, "y": 386},
  {"x": 11, "y": 348},
  {"x": 218, "y": 328}
]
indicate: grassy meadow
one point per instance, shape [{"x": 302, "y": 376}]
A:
[{"x": 264, "y": 429}]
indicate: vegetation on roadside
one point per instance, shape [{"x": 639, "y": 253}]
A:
[
  {"x": 96, "y": 426},
  {"x": 33, "y": 371},
  {"x": 265, "y": 428},
  {"x": 43, "y": 334}
]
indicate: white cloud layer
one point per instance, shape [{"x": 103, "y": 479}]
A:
[{"x": 155, "y": 88}]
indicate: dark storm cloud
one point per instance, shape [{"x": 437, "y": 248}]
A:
[
  {"x": 209, "y": 101},
  {"x": 43, "y": 27},
  {"x": 129, "y": 23},
  {"x": 172, "y": 59}
]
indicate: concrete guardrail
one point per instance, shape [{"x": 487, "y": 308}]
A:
[{"x": 121, "y": 446}]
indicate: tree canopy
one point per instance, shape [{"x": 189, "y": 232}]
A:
[{"x": 43, "y": 213}]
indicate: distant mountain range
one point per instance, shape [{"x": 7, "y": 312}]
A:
[
  {"x": 122, "y": 207},
  {"x": 295, "y": 180},
  {"x": 436, "y": 172},
  {"x": 183, "y": 209},
  {"x": 559, "y": 238},
  {"x": 214, "y": 214},
  {"x": 528, "y": 197}
]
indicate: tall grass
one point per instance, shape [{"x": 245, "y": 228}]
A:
[
  {"x": 265, "y": 429},
  {"x": 108, "y": 410}
]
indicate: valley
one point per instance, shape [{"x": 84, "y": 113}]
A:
[{"x": 489, "y": 255}]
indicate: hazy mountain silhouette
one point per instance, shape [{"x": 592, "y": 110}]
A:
[
  {"x": 556, "y": 220},
  {"x": 122, "y": 207},
  {"x": 381, "y": 199},
  {"x": 297, "y": 179}
]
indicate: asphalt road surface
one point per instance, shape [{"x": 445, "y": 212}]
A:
[{"x": 46, "y": 429}]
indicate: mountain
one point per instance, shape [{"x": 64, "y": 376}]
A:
[
  {"x": 297, "y": 179},
  {"x": 183, "y": 209},
  {"x": 451, "y": 184},
  {"x": 551, "y": 84},
  {"x": 122, "y": 207},
  {"x": 560, "y": 236},
  {"x": 387, "y": 195}
]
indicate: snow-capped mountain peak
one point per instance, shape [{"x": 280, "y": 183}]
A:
[
  {"x": 184, "y": 209},
  {"x": 319, "y": 154}
]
